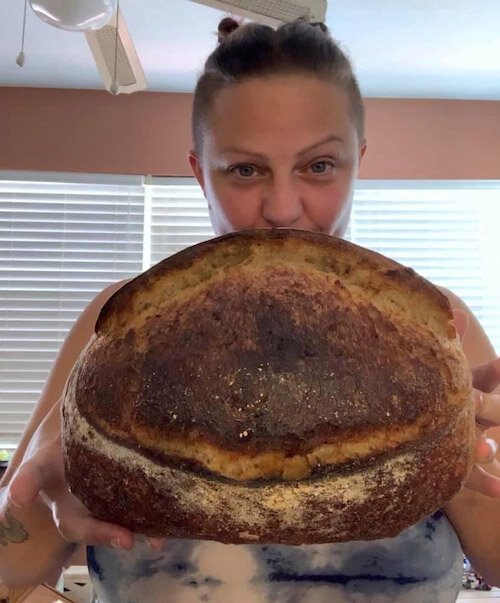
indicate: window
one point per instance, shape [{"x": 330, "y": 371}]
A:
[
  {"x": 178, "y": 216},
  {"x": 60, "y": 243},
  {"x": 446, "y": 231},
  {"x": 63, "y": 238}
]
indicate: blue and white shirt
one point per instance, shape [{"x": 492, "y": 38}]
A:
[{"x": 423, "y": 564}]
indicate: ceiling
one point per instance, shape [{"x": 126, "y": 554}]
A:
[{"x": 400, "y": 48}]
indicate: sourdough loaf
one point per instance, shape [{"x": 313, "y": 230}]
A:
[{"x": 270, "y": 386}]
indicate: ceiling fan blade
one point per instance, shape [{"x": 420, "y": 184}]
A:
[
  {"x": 129, "y": 73},
  {"x": 272, "y": 12}
]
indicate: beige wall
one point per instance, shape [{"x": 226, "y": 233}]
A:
[{"x": 148, "y": 133}]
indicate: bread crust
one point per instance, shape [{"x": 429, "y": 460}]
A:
[{"x": 270, "y": 386}]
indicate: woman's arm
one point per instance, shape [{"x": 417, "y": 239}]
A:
[
  {"x": 32, "y": 548},
  {"x": 475, "y": 516}
]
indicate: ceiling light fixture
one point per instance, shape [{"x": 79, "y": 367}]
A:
[
  {"x": 106, "y": 33},
  {"x": 75, "y": 15}
]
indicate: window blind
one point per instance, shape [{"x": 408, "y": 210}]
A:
[
  {"x": 446, "y": 231},
  {"x": 178, "y": 216},
  {"x": 60, "y": 244}
]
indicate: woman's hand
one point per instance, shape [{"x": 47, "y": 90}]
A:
[
  {"x": 42, "y": 473},
  {"x": 485, "y": 379}
]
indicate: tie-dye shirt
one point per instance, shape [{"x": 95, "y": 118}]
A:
[{"x": 422, "y": 565}]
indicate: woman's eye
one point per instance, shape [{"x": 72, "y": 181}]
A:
[
  {"x": 243, "y": 171},
  {"x": 321, "y": 167}
]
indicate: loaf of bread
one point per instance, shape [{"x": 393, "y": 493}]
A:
[{"x": 273, "y": 386}]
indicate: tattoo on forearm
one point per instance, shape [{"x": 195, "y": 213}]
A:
[{"x": 11, "y": 530}]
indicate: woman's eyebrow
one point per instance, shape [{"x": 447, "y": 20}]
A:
[
  {"x": 241, "y": 151},
  {"x": 330, "y": 138}
]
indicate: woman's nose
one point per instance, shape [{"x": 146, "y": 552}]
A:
[{"x": 282, "y": 204}]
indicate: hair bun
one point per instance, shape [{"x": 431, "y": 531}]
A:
[
  {"x": 321, "y": 25},
  {"x": 226, "y": 27}
]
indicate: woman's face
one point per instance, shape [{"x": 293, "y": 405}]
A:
[{"x": 279, "y": 152}]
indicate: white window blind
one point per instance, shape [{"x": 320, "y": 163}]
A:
[
  {"x": 179, "y": 217},
  {"x": 446, "y": 231},
  {"x": 60, "y": 244},
  {"x": 62, "y": 241}
]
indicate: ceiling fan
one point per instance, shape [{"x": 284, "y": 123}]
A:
[
  {"x": 109, "y": 39},
  {"x": 107, "y": 34}
]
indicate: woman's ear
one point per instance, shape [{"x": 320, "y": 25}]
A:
[
  {"x": 362, "y": 149},
  {"x": 196, "y": 168}
]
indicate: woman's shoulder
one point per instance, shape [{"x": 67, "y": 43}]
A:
[
  {"x": 91, "y": 312},
  {"x": 476, "y": 345},
  {"x": 82, "y": 330}
]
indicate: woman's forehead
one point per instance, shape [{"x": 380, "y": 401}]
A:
[
  {"x": 274, "y": 97},
  {"x": 294, "y": 108}
]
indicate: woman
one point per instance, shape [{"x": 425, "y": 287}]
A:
[{"x": 278, "y": 126}]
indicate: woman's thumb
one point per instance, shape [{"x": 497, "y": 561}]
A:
[
  {"x": 25, "y": 485},
  {"x": 461, "y": 321}
]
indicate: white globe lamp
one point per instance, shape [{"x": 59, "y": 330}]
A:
[{"x": 75, "y": 15}]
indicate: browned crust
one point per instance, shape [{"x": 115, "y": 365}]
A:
[
  {"x": 239, "y": 241},
  {"x": 286, "y": 384},
  {"x": 268, "y": 357},
  {"x": 120, "y": 493}
]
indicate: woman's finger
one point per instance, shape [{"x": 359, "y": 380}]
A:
[
  {"x": 487, "y": 409},
  {"x": 156, "y": 544},
  {"x": 76, "y": 524},
  {"x": 461, "y": 321},
  {"x": 26, "y": 484},
  {"x": 486, "y": 377},
  {"x": 44, "y": 477},
  {"x": 485, "y": 483},
  {"x": 42, "y": 472},
  {"x": 486, "y": 450}
]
